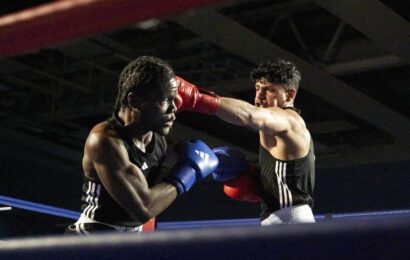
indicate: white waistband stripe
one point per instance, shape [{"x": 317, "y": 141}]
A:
[
  {"x": 285, "y": 195},
  {"x": 93, "y": 194}
]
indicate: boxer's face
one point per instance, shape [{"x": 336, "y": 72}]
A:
[
  {"x": 159, "y": 111},
  {"x": 270, "y": 94}
]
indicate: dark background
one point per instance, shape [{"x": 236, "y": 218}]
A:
[{"x": 354, "y": 57}]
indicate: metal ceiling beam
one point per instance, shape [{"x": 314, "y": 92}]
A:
[
  {"x": 376, "y": 21},
  {"x": 58, "y": 21},
  {"x": 336, "y": 69},
  {"x": 330, "y": 52},
  {"x": 19, "y": 66},
  {"x": 299, "y": 38},
  {"x": 121, "y": 49},
  {"x": 363, "y": 65},
  {"x": 76, "y": 51},
  {"x": 26, "y": 84},
  {"x": 279, "y": 9},
  {"x": 245, "y": 43}
]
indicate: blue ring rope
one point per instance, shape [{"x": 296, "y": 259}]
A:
[
  {"x": 38, "y": 207},
  {"x": 60, "y": 212}
]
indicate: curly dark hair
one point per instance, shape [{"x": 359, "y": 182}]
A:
[
  {"x": 142, "y": 75},
  {"x": 278, "y": 71}
]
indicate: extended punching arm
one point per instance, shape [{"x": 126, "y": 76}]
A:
[{"x": 192, "y": 98}]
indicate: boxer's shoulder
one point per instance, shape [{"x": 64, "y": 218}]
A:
[{"x": 103, "y": 136}]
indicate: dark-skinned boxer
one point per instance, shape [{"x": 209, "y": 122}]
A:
[
  {"x": 124, "y": 186},
  {"x": 286, "y": 156}
]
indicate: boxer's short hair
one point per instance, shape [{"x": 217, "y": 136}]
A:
[
  {"x": 143, "y": 76},
  {"x": 277, "y": 71}
]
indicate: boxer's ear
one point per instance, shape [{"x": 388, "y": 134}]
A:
[
  {"x": 290, "y": 94},
  {"x": 134, "y": 101}
]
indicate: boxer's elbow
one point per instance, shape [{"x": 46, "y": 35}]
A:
[
  {"x": 151, "y": 202},
  {"x": 145, "y": 210},
  {"x": 143, "y": 216}
]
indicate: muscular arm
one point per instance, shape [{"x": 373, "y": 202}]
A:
[
  {"x": 268, "y": 120},
  {"x": 124, "y": 181}
]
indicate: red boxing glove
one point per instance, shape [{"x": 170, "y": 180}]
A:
[
  {"x": 243, "y": 188},
  {"x": 194, "y": 99},
  {"x": 149, "y": 226}
]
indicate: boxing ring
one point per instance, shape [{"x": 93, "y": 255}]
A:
[{"x": 384, "y": 234}]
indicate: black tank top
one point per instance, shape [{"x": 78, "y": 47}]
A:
[
  {"x": 286, "y": 183},
  {"x": 97, "y": 204}
]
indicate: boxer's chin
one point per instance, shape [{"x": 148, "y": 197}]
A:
[{"x": 164, "y": 128}]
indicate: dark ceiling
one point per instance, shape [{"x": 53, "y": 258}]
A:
[{"x": 355, "y": 65}]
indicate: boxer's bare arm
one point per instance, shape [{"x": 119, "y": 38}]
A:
[
  {"x": 268, "y": 120},
  {"x": 124, "y": 181}
]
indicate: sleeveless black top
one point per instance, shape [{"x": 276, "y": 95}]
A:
[
  {"x": 97, "y": 203},
  {"x": 286, "y": 183}
]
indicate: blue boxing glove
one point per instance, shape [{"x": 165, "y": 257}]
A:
[
  {"x": 196, "y": 162},
  {"x": 232, "y": 163}
]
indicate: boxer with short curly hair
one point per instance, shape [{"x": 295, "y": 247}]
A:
[{"x": 285, "y": 180}]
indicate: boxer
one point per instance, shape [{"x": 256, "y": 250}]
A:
[
  {"x": 286, "y": 154},
  {"x": 124, "y": 186}
]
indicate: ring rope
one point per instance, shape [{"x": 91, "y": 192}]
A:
[{"x": 60, "y": 212}]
